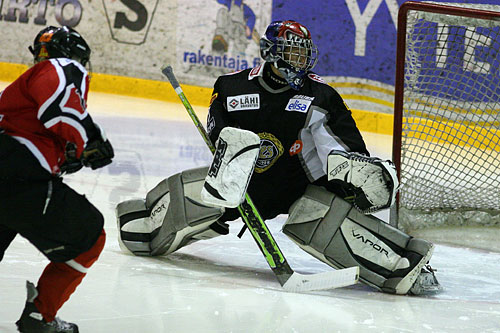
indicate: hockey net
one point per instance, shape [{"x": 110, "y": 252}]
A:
[{"x": 447, "y": 116}]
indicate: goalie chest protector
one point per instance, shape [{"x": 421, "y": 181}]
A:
[{"x": 282, "y": 119}]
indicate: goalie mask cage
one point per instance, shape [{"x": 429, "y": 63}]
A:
[{"x": 447, "y": 116}]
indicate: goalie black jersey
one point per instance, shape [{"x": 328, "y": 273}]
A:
[{"x": 297, "y": 129}]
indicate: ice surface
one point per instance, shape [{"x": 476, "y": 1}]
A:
[{"x": 224, "y": 284}]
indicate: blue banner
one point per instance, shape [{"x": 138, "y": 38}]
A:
[{"x": 356, "y": 38}]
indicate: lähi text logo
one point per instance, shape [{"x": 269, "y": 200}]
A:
[{"x": 243, "y": 102}]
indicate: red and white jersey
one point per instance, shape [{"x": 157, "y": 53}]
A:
[{"x": 46, "y": 107}]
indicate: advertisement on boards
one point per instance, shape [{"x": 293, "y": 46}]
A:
[{"x": 207, "y": 38}]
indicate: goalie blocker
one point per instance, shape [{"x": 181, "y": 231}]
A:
[
  {"x": 231, "y": 168},
  {"x": 333, "y": 231}
]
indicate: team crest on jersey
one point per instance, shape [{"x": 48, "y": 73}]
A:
[
  {"x": 299, "y": 103},
  {"x": 270, "y": 150},
  {"x": 316, "y": 77},
  {"x": 243, "y": 102}
]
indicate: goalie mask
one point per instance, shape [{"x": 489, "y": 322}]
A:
[
  {"x": 63, "y": 42},
  {"x": 288, "y": 45}
]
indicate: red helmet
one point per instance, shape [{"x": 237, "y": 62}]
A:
[{"x": 289, "y": 46}]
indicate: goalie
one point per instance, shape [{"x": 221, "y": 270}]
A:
[{"x": 289, "y": 140}]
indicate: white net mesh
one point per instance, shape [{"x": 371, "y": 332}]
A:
[{"x": 450, "y": 151}]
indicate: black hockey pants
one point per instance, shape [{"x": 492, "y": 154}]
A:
[{"x": 57, "y": 220}]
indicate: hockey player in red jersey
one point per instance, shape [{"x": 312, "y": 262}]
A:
[
  {"x": 285, "y": 136},
  {"x": 45, "y": 132}
]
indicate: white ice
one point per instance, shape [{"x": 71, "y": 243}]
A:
[{"x": 224, "y": 284}]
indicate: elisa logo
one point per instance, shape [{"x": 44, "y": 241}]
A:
[
  {"x": 296, "y": 148},
  {"x": 299, "y": 103}
]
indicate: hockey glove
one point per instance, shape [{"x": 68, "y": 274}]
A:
[
  {"x": 98, "y": 152},
  {"x": 71, "y": 163},
  {"x": 375, "y": 181}
]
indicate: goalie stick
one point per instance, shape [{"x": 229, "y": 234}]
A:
[{"x": 287, "y": 277}]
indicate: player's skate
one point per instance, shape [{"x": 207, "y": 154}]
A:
[
  {"x": 426, "y": 283},
  {"x": 32, "y": 321}
]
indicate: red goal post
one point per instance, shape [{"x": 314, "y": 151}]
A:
[{"x": 447, "y": 116}]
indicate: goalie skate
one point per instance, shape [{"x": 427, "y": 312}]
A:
[{"x": 426, "y": 283}]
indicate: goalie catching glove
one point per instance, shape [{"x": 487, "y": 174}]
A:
[
  {"x": 374, "y": 180},
  {"x": 231, "y": 169}
]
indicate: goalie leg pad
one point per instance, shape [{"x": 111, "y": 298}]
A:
[
  {"x": 134, "y": 227},
  {"x": 171, "y": 217},
  {"x": 328, "y": 228},
  {"x": 187, "y": 219}
]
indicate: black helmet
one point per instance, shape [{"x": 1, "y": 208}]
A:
[{"x": 63, "y": 42}]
